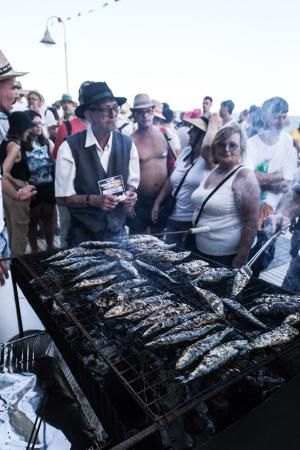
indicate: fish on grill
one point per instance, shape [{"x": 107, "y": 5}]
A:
[
  {"x": 59, "y": 255},
  {"x": 167, "y": 255},
  {"x": 184, "y": 336},
  {"x": 99, "y": 244},
  {"x": 192, "y": 268},
  {"x": 214, "y": 275},
  {"x": 292, "y": 319},
  {"x": 240, "y": 280},
  {"x": 276, "y": 298},
  {"x": 148, "y": 309},
  {"x": 155, "y": 271},
  {"x": 93, "y": 271},
  {"x": 280, "y": 335},
  {"x": 118, "y": 253},
  {"x": 243, "y": 312},
  {"x": 276, "y": 309},
  {"x": 198, "y": 321},
  {"x": 216, "y": 358},
  {"x": 135, "y": 305},
  {"x": 129, "y": 267},
  {"x": 159, "y": 316},
  {"x": 83, "y": 263},
  {"x": 179, "y": 315},
  {"x": 118, "y": 292},
  {"x": 211, "y": 299},
  {"x": 93, "y": 282},
  {"x": 200, "y": 348}
]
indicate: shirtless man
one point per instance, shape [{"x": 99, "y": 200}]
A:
[{"x": 152, "y": 148}]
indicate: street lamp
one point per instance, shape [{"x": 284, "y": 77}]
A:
[{"x": 48, "y": 40}]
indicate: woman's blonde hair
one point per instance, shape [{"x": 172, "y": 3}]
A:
[{"x": 224, "y": 133}]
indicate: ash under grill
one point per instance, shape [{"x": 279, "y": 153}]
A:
[{"x": 112, "y": 366}]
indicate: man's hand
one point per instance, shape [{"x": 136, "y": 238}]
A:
[
  {"x": 276, "y": 221},
  {"x": 131, "y": 199},
  {"x": 105, "y": 202},
  {"x": 3, "y": 272},
  {"x": 154, "y": 212},
  {"x": 26, "y": 192}
]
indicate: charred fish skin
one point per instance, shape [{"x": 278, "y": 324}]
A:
[
  {"x": 200, "y": 348},
  {"x": 147, "y": 310},
  {"x": 217, "y": 358},
  {"x": 81, "y": 264},
  {"x": 240, "y": 281},
  {"x": 135, "y": 305},
  {"x": 155, "y": 271},
  {"x": 92, "y": 282},
  {"x": 118, "y": 253},
  {"x": 157, "y": 317},
  {"x": 214, "y": 275},
  {"x": 179, "y": 315},
  {"x": 59, "y": 255},
  {"x": 211, "y": 299},
  {"x": 167, "y": 256},
  {"x": 276, "y": 309},
  {"x": 184, "y": 336},
  {"x": 93, "y": 271},
  {"x": 94, "y": 245},
  {"x": 292, "y": 319},
  {"x": 278, "y": 336},
  {"x": 192, "y": 323},
  {"x": 129, "y": 267},
  {"x": 243, "y": 312},
  {"x": 276, "y": 298},
  {"x": 192, "y": 268}
]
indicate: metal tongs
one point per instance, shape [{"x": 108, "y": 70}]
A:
[{"x": 247, "y": 267}]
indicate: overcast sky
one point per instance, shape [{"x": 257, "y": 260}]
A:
[{"x": 176, "y": 51}]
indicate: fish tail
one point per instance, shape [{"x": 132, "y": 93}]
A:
[{"x": 182, "y": 379}]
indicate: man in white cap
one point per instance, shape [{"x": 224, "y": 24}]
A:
[
  {"x": 8, "y": 95},
  {"x": 153, "y": 150}
]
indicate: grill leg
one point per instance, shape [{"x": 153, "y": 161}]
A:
[{"x": 17, "y": 304}]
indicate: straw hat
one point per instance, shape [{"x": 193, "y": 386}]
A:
[
  {"x": 6, "y": 71},
  {"x": 198, "y": 123}
]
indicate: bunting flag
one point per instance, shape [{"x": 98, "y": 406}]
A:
[{"x": 90, "y": 11}]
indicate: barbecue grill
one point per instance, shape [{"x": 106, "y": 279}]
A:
[{"x": 132, "y": 390}]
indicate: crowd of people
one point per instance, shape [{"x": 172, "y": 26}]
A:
[{"x": 99, "y": 168}]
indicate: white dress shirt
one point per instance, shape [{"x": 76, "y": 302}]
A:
[{"x": 66, "y": 170}]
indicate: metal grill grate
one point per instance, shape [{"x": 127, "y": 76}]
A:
[{"x": 100, "y": 351}]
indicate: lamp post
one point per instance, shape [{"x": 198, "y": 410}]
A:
[{"x": 48, "y": 40}]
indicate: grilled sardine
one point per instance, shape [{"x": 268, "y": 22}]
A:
[
  {"x": 212, "y": 300},
  {"x": 280, "y": 335},
  {"x": 200, "y": 348},
  {"x": 155, "y": 271},
  {"x": 217, "y": 358},
  {"x": 243, "y": 312}
]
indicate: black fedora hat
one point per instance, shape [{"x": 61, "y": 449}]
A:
[{"x": 93, "y": 93}]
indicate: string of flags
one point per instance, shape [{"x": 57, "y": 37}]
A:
[{"x": 90, "y": 11}]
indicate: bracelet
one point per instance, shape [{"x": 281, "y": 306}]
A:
[{"x": 88, "y": 200}]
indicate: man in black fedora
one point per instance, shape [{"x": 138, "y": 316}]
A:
[{"x": 92, "y": 156}]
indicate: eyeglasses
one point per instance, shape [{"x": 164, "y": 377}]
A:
[
  {"x": 231, "y": 146},
  {"x": 143, "y": 112},
  {"x": 105, "y": 110}
]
